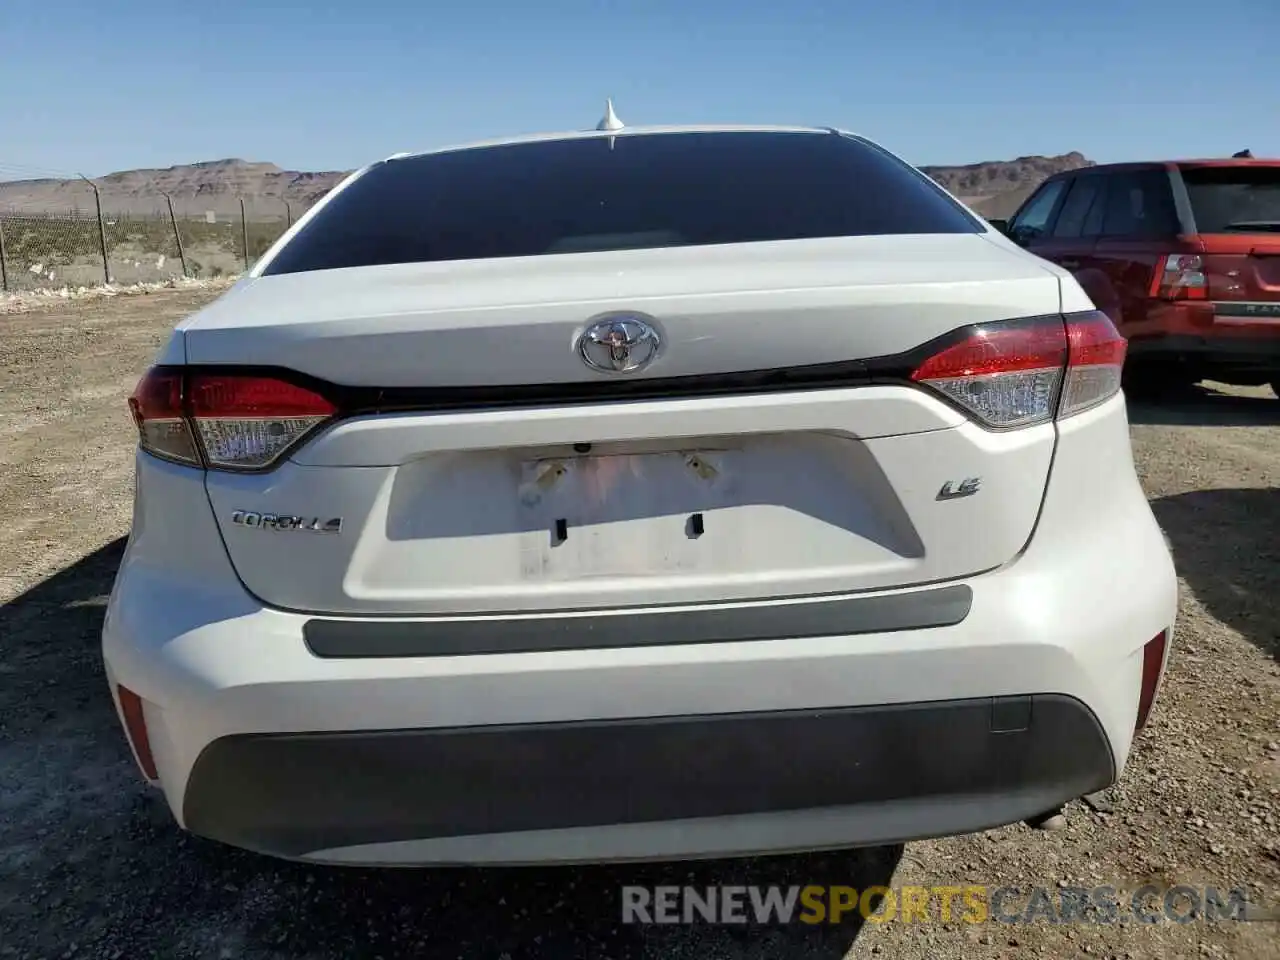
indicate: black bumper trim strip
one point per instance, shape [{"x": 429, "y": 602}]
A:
[
  {"x": 297, "y": 794},
  {"x": 840, "y": 616}
]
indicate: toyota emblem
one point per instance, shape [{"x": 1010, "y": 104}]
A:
[{"x": 619, "y": 344}]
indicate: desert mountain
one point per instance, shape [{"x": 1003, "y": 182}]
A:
[
  {"x": 216, "y": 185},
  {"x": 993, "y": 188}
]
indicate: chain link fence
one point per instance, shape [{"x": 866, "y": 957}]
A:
[
  {"x": 82, "y": 248},
  {"x": 42, "y": 250}
]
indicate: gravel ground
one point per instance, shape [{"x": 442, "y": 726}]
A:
[{"x": 91, "y": 865}]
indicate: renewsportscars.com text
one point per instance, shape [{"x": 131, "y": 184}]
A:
[{"x": 817, "y": 904}]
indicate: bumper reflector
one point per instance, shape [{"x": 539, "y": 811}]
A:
[
  {"x": 1153, "y": 661},
  {"x": 135, "y": 727}
]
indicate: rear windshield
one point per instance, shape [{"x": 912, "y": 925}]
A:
[
  {"x": 624, "y": 192},
  {"x": 1234, "y": 199}
]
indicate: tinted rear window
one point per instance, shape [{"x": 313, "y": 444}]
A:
[
  {"x": 1140, "y": 205},
  {"x": 624, "y": 192},
  {"x": 1234, "y": 199}
]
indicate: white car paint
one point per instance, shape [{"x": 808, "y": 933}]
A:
[
  {"x": 831, "y": 491},
  {"x": 839, "y": 298}
]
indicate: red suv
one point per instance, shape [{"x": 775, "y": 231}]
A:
[{"x": 1183, "y": 255}]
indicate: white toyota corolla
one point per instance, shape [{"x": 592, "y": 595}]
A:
[{"x": 637, "y": 493}]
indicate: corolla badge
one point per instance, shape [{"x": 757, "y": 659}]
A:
[
  {"x": 623, "y": 343},
  {"x": 281, "y": 521}
]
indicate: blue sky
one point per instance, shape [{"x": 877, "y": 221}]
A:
[{"x": 322, "y": 85}]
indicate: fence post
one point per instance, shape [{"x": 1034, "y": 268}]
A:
[
  {"x": 177, "y": 237},
  {"x": 288, "y": 215},
  {"x": 244, "y": 235},
  {"x": 4, "y": 257},
  {"x": 102, "y": 229}
]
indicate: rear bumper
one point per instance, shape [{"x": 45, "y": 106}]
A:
[
  {"x": 774, "y": 737},
  {"x": 871, "y": 774}
]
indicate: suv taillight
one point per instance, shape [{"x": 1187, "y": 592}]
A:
[
  {"x": 223, "y": 421},
  {"x": 1180, "y": 276},
  {"x": 1016, "y": 373}
]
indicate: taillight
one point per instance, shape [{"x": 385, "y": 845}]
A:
[
  {"x": 249, "y": 422},
  {"x": 223, "y": 421},
  {"x": 1016, "y": 373},
  {"x": 1180, "y": 276},
  {"x": 1094, "y": 363},
  {"x": 1153, "y": 660},
  {"x": 157, "y": 411}
]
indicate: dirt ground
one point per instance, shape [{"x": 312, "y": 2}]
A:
[{"x": 91, "y": 865}]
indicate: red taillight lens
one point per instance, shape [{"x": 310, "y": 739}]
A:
[
  {"x": 248, "y": 422},
  {"x": 242, "y": 422},
  {"x": 1006, "y": 374},
  {"x": 1018, "y": 373},
  {"x": 135, "y": 728},
  {"x": 157, "y": 408},
  {"x": 1153, "y": 660},
  {"x": 246, "y": 397},
  {"x": 1180, "y": 276},
  {"x": 1094, "y": 364}
]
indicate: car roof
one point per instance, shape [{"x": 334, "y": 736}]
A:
[
  {"x": 1230, "y": 162},
  {"x": 1165, "y": 164},
  {"x": 623, "y": 132}
]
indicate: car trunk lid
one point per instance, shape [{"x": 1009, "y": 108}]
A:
[
  {"x": 581, "y": 499},
  {"x": 721, "y": 309}
]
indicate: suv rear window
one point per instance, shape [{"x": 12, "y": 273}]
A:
[
  {"x": 623, "y": 192},
  {"x": 1234, "y": 199}
]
